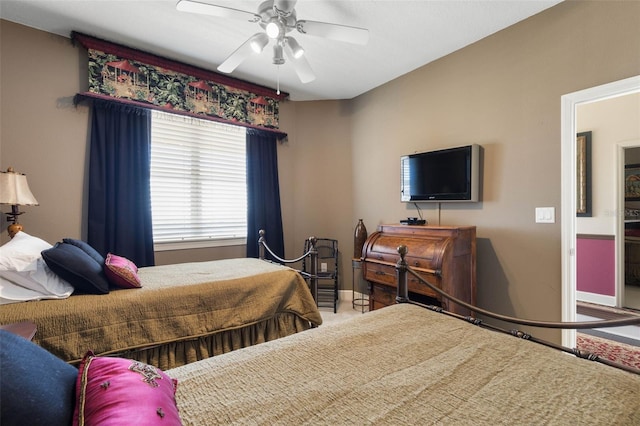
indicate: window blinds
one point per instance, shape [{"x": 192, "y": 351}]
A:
[{"x": 198, "y": 180}]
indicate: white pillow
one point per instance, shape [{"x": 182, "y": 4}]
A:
[
  {"x": 12, "y": 293},
  {"x": 22, "y": 252},
  {"x": 43, "y": 280}
]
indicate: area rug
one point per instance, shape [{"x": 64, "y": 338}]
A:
[{"x": 614, "y": 351}]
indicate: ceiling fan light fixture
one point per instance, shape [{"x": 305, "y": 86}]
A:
[
  {"x": 258, "y": 42},
  {"x": 277, "y": 18},
  {"x": 296, "y": 50},
  {"x": 273, "y": 28}
]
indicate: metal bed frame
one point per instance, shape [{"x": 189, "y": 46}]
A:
[{"x": 312, "y": 253}]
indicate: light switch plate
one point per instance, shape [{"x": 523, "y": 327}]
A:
[{"x": 545, "y": 215}]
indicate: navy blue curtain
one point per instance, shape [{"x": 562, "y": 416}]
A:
[
  {"x": 119, "y": 216},
  {"x": 263, "y": 193}
]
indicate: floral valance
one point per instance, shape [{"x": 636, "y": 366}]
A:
[{"x": 132, "y": 76}]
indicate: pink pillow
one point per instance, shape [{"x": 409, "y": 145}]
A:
[
  {"x": 121, "y": 272},
  {"x": 119, "y": 391}
]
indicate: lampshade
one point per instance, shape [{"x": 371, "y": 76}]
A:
[
  {"x": 296, "y": 50},
  {"x": 258, "y": 42},
  {"x": 14, "y": 189}
]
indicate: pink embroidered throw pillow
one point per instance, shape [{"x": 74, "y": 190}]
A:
[
  {"x": 119, "y": 391},
  {"x": 121, "y": 272}
]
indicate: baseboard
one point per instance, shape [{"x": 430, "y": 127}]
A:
[{"x": 583, "y": 296}]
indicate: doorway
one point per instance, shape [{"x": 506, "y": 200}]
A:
[
  {"x": 630, "y": 268},
  {"x": 569, "y": 105}
]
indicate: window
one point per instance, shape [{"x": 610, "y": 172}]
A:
[{"x": 198, "y": 182}]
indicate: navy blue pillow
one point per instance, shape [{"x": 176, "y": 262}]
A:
[
  {"x": 85, "y": 247},
  {"x": 36, "y": 388},
  {"x": 76, "y": 267}
]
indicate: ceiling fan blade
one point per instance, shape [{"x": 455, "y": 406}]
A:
[
  {"x": 214, "y": 10},
  {"x": 237, "y": 57},
  {"x": 301, "y": 66},
  {"x": 334, "y": 31},
  {"x": 284, "y": 7}
]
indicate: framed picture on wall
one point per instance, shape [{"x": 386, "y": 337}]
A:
[
  {"x": 632, "y": 182},
  {"x": 583, "y": 193}
]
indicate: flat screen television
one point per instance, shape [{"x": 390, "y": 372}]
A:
[{"x": 449, "y": 175}]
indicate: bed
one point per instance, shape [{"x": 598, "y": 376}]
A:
[
  {"x": 182, "y": 313},
  {"x": 404, "y": 365}
]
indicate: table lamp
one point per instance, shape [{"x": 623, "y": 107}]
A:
[{"x": 14, "y": 190}]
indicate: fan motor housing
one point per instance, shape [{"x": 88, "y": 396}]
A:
[{"x": 268, "y": 14}]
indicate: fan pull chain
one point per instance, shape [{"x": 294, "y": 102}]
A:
[{"x": 278, "y": 79}]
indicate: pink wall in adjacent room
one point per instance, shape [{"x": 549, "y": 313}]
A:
[{"x": 596, "y": 265}]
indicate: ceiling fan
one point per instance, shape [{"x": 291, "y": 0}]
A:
[{"x": 277, "y": 18}]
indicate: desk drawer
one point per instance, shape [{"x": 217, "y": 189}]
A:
[
  {"x": 386, "y": 274},
  {"x": 380, "y": 273}
]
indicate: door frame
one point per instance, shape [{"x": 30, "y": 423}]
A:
[{"x": 569, "y": 104}]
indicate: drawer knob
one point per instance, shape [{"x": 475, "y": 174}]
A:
[{"x": 379, "y": 273}]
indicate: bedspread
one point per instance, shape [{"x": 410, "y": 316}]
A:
[
  {"x": 404, "y": 365},
  {"x": 176, "y": 303}
]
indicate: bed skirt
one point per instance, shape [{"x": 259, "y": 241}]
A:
[{"x": 177, "y": 353}]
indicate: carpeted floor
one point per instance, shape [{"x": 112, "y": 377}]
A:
[{"x": 614, "y": 351}]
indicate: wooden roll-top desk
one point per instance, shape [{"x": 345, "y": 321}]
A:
[{"x": 443, "y": 255}]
